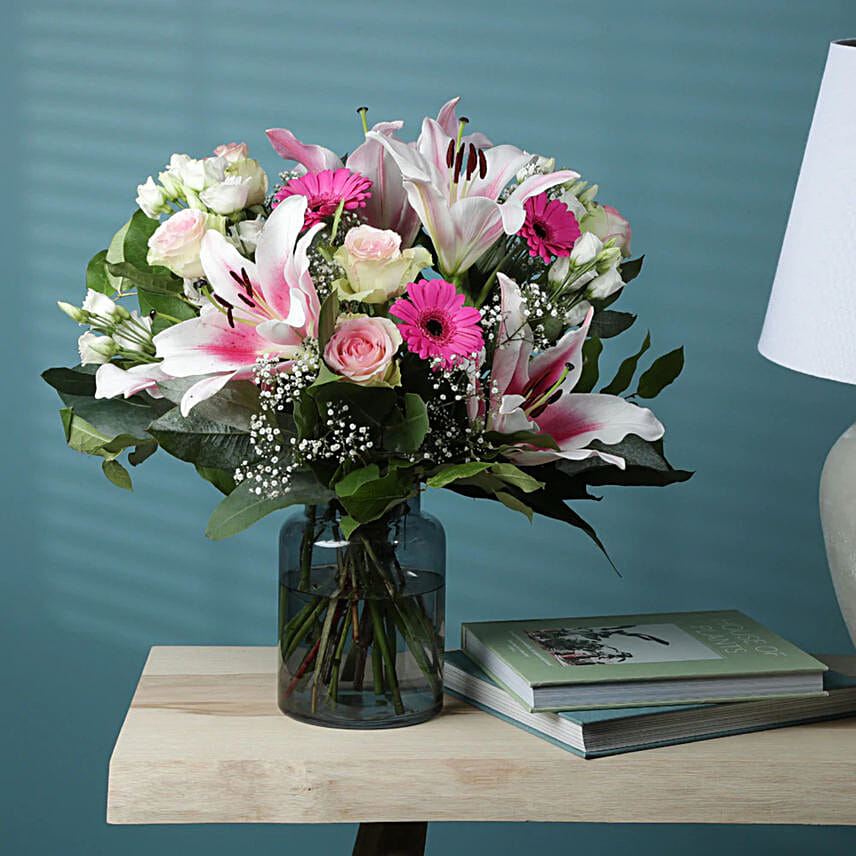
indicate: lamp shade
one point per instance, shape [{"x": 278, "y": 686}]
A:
[{"x": 811, "y": 317}]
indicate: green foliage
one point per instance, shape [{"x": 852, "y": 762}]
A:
[
  {"x": 452, "y": 472},
  {"x": 242, "y": 508},
  {"x": 372, "y": 499},
  {"x": 626, "y": 370},
  {"x": 142, "y": 451},
  {"x": 327, "y": 320},
  {"x": 592, "y": 348},
  {"x": 117, "y": 474},
  {"x": 663, "y": 371},
  {"x": 505, "y": 441},
  {"x": 233, "y": 405},
  {"x": 407, "y": 430},
  {"x": 630, "y": 269},
  {"x": 609, "y": 323},
  {"x": 79, "y": 380},
  {"x": 97, "y": 277},
  {"x": 201, "y": 441},
  {"x": 222, "y": 480}
]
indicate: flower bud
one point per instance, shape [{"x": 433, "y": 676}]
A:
[
  {"x": 558, "y": 271},
  {"x": 101, "y": 305},
  {"x": 79, "y": 315},
  {"x": 608, "y": 259},
  {"x": 95, "y": 350},
  {"x": 151, "y": 199}
]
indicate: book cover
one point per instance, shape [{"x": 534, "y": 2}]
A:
[
  {"x": 618, "y": 648},
  {"x": 467, "y": 681}
]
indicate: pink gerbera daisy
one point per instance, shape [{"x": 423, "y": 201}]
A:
[
  {"x": 550, "y": 228},
  {"x": 436, "y": 324},
  {"x": 324, "y": 192}
]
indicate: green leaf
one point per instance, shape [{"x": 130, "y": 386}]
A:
[
  {"x": 515, "y": 504},
  {"x": 241, "y": 508},
  {"x": 609, "y": 323},
  {"x": 142, "y": 452},
  {"x": 222, "y": 480},
  {"x": 662, "y": 372},
  {"x": 155, "y": 280},
  {"x": 202, "y": 441},
  {"x": 539, "y": 441},
  {"x": 347, "y": 524},
  {"x": 645, "y": 465},
  {"x": 448, "y": 474},
  {"x": 626, "y": 370},
  {"x": 79, "y": 380},
  {"x": 83, "y": 437},
  {"x": 407, "y": 433},
  {"x": 368, "y": 405},
  {"x": 374, "y": 498},
  {"x": 117, "y": 474},
  {"x": 114, "y": 416},
  {"x": 115, "y": 253},
  {"x": 591, "y": 354},
  {"x": 515, "y": 476},
  {"x": 327, "y": 319},
  {"x": 233, "y": 405},
  {"x": 97, "y": 277},
  {"x": 630, "y": 269},
  {"x": 356, "y": 479},
  {"x": 135, "y": 246}
]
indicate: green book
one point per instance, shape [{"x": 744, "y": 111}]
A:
[
  {"x": 640, "y": 660},
  {"x": 593, "y": 733}
]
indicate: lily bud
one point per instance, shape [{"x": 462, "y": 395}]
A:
[{"x": 73, "y": 312}]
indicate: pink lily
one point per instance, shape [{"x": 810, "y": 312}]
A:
[
  {"x": 455, "y": 188},
  {"x": 264, "y": 308},
  {"x": 111, "y": 381},
  {"x": 387, "y": 207},
  {"x": 536, "y": 393}
]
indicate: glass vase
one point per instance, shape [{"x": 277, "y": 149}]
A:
[{"x": 361, "y": 619}]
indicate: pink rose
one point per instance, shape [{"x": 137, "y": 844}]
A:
[
  {"x": 369, "y": 244},
  {"x": 617, "y": 227},
  {"x": 176, "y": 243},
  {"x": 232, "y": 151},
  {"x": 361, "y": 349}
]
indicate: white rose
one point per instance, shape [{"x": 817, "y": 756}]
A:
[
  {"x": 199, "y": 174},
  {"x": 95, "y": 350},
  {"x": 170, "y": 178},
  {"x": 232, "y": 152},
  {"x": 376, "y": 269},
  {"x": 151, "y": 199},
  {"x": 176, "y": 243},
  {"x": 228, "y": 196}
]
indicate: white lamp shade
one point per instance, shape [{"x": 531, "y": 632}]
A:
[{"x": 811, "y": 318}]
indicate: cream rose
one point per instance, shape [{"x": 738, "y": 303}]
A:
[
  {"x": 176, "y": 243},
  {"x": 361, "y": 349},
  {"x": 376, "y": 268},
  {"x": 232, "y": 151}
]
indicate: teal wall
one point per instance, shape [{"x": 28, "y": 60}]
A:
[{"x": 692, "y": 116}]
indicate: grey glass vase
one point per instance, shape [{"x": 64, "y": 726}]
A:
[{"x": 362, "y": 618}]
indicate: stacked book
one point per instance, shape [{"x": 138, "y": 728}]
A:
[{"x": 599, "y": 686}]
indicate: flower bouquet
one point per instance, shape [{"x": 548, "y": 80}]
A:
[{"x": 420, "y": 314}]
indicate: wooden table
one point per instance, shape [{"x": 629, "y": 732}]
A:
[{"x": 204, "y": 742}]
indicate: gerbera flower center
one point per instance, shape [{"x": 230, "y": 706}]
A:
[{"x": 435, "y": 327}]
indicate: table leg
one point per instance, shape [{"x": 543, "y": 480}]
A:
[{"x": 391, "y": 839}]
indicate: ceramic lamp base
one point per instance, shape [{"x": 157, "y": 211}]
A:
[{"x": 838, "y": 518}]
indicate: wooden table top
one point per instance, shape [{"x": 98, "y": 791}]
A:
[{"x": 204, "y": 742}]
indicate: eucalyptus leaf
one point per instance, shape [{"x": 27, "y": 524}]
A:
[
  {"x": 114, "y": 416},
  {"x": 117, "y": 474},
  {"x": 626, "y": 370},
  {"x": 202, "y": 441},
  {"x": 242, "y": 507},
  {"x": 662, "y": 372},
  {"x": 84, "y": 437}
]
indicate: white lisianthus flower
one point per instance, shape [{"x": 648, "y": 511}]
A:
[
  {"x": 228, "y": 196},
  {"x": 177, "y": 242},
  {"x": 577, "y": 314},
  {"x": 250, "y": 171},
  {"x": 95, "y": 350},
  {"x": 376, "y": 268},
  {"x": 586, "y": 249},
  {"x": 96, "y": 303},
  {"x": 131, "y": 335},
  {"x": 151, "y": 199},
  {"x": 247, "y": 233},
  {"x": 170, "y": 178}
]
